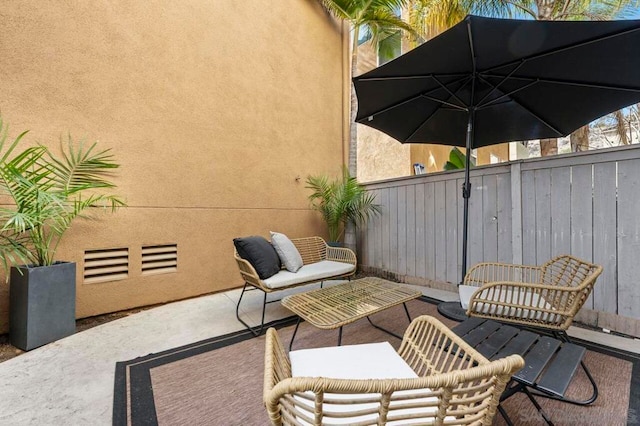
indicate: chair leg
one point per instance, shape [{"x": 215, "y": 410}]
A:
[{"x": 256, "y": 331}]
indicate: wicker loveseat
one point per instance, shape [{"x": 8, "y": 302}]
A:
[
  {"x": 434, "y": 378},
  {"x": 320, "y": 262}
]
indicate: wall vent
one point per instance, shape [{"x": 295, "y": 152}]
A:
[
  {"x": 159, "y": 259},
  {"x": 106, "y": 265}
]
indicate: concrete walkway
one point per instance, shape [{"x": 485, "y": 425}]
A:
[{"x": 70, "y": 382}]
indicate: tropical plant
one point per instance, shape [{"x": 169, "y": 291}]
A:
[
  {"x": 457, "y": 160},
  {"x": 47, "y": 192},
  {"x": 341, "y": 201}
]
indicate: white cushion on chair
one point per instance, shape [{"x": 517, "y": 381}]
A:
[
  {"x": 366, "y": 361},
  {"x": 308, "y": 273}
]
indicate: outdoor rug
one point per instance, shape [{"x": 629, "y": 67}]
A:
[{"x": 219, "y": 381}]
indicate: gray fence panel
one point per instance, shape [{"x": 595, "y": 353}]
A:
[
  {"x": 452, "y": 194},
  {"x": 586, "y": 204},
  {"x": 542, "y": 182},
  {"x": 605, "y": 292},
  {"x": 505, "y": 218},
  {"x": 528, "y": 218},
  {"x": 628, "y": 238},
  {"x": 475, "y": 237},
  {"x": 440, "y": 231},
  {"x": 386, "y": 218},
  {"x": 420, "y": 221},
  {"x": 430, "y": 231},
  {"x": 560, "y": 211},
  {"x": 489, "y": 219},
  {"x": 411, "y": 231},
  {"x": 582, "y": 215},
  {"x": 402, "y": 231},
  {"x": 393, "y": 228}
]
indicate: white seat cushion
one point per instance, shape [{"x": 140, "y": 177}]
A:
[
  {"x": 367, "y": 361},
  {"x": 312, "y": 272},
  {"x": 525, "y": 298}
]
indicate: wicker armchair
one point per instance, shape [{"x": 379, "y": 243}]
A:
[
  {"x": 547, "y": 296},
  {"x": 452, "y": 381}
]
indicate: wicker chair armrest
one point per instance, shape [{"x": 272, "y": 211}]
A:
[
  {"x": 248, "y": 273},
  {"x": 487, "y": 272},
  {"x": 341, "y": 254},
  {"x": 276, "y": 361}
]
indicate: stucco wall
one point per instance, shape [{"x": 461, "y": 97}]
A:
[{"x": 216, "y": 110}]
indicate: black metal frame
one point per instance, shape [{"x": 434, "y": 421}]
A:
[
  {"x": 406, "y": 310},
  {"x": 257, "y": 330}
]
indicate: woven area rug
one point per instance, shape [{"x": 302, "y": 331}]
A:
[{"x": 219, "y": 381}]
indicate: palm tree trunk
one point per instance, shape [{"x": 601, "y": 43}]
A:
[
  {"x": 621, "y": 128},
  {"x": 548, "y": 147},
  {"x": 580, "y": 139}
]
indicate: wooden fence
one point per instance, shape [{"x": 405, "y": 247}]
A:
[{"x": 586, "y": 204}]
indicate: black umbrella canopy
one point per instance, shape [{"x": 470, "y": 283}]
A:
[
  {"x": 487, "y": 81},
  {"x": 521, "y": 79}
]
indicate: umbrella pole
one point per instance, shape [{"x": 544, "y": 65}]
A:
[{"x": 466, "y": 193}]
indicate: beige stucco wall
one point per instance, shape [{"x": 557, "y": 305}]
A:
[{"x": 216, "y": 110}]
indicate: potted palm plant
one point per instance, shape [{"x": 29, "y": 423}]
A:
[
  {"x": 341, "y": 201},
  {"x": 46, "y": 192}
]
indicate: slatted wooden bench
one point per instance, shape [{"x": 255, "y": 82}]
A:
[{"x": 550, "y": 364}]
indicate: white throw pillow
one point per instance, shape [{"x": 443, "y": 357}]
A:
[{"x": 288, "y": 253}]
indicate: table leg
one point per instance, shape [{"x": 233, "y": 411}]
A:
[
  {"x": 340, "y": 337},
  {"x": 387, "y": 331},
  {"x": 294, "y": 334}
]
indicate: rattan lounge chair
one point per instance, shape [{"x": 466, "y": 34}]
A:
[
  {"x": 545, "y": 297},
  {"x": 447, "y": 379}
]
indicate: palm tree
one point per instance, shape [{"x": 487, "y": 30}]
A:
[
  {"x": 341, "y": 201},
  {"x": 379, "y": 19}
]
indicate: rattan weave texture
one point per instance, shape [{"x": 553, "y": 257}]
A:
[
  {"x": 547, "y": 296},
  {"x": 456, "y": 385},
  {"x": 342, "y": 304}
]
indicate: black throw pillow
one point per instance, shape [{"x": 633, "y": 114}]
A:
[{"x": 260, "y": 253}]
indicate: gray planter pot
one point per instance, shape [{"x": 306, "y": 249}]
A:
[{"x": 42, "y": 305}]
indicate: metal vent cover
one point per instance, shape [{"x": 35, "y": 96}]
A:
[
  {"x": 106, "y": 265},
  {"x": 159, "y": 259}
]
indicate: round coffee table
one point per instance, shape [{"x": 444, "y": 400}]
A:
[{"x": 452, "y": 310}]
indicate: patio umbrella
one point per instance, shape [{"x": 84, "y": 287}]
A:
[{"x": 487, "y": 81}]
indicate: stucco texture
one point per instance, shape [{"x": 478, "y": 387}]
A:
[{"x": 217, "y": 111}]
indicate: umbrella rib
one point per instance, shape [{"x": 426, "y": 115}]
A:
[
  {"x": 409, "y": 77},
  {"x": 495, "y": 87},
  {"x": 573, "y": 83},
  {"x": 402, "y": 102},
  {"x": 464, "y": 106},
  {"x": 504, "y": 95},
  {"x": 507, "y": 95},
  {"x": 564, "y": 48}
]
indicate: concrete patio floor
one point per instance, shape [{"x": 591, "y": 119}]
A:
[{"x": 70, "y": 382}]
